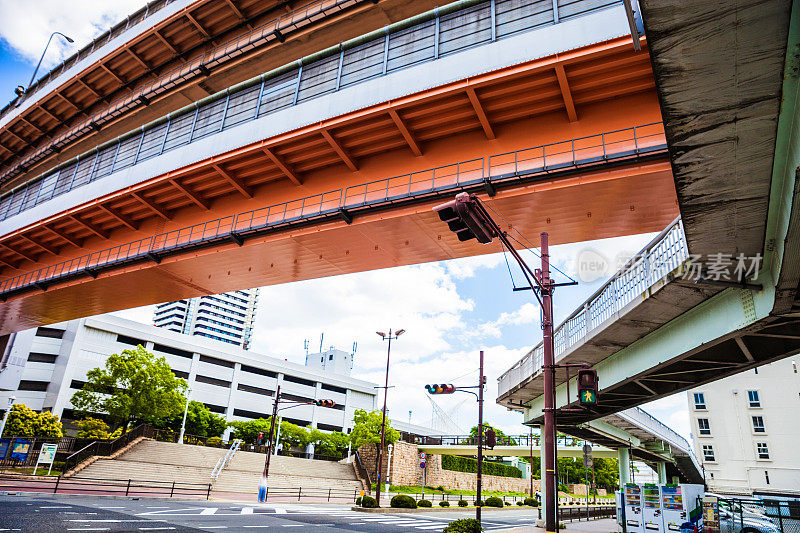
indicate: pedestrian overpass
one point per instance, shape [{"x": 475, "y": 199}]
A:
[
  {"x": 658, "y": 326},
  {"x": 629, "y": 434}
]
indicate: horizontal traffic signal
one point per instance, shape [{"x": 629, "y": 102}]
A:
[
  {"x": 325, "y": 403},
  {"x": 442, "y": 388},
  {"x": 467, "y": 218}
]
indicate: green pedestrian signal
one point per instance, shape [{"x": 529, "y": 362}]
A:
[{"x": 587, "y": 387}]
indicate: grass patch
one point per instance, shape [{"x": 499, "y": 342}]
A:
[{"x": 28, "y": 471}]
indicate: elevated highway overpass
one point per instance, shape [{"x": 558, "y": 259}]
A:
[
  {"x": 657, "y": 328},
  {"x": 330, "y": 164}
]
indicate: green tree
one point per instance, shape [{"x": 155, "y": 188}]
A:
[
  {"x": 332, "y": 444},
  {"x": 200, "y": 421},
  {"x": 135, "y": 386},
  {"x": 501, "y": 437},
  {"x": 292, "y": 435},
  {"x": 25, "y": 422},
  {"x": 92, "y": 428},
  {"x": 606, "y": 473},
  {"x": 248, "y": 430},
  {"x": 367, "y": 429}
]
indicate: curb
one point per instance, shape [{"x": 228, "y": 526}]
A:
[
  {"x": 435, "y": 509},
  {"x": 61, "y": 495}
]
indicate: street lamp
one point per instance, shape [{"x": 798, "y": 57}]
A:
[
  {"x": 385, "y": 337},
  {"x": 185, "y": 412},
  {"x": 40, "y": 59},
  {"x": 5, "y": 417}
]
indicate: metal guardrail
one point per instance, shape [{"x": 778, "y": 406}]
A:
[
  {"x": 266, "y": 33},
  {"x": 224, "y": 461},
  {"x": 502, "y": 440},
  {"x": 758, "y": 515},
  {"x": 107, "y": 447},
  {"x": 525, "y": 164},
  {"x": 660, "y": 257},
  {"x": 86, "y": 485},
  {"x": 354, "y": 62}
]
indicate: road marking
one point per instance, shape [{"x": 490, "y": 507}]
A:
[
  {"x": 209, "y": 510},
  {"x": 280, "y": 510},
  {"x": 247, "y": 510},
  {"x": 89, "y": 529},
  {"x": 213, "y": 527},
  {"x": 104, "y": 520},
  {"x": 294, "y": 525},
  {"x": 109, "y": 507},
  {"x": 158, "y": 507},
  {"x": 154, "y": 528},
  {"x": 55, "y": 507}
]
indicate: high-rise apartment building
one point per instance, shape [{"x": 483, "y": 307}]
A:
[
  {"x": 226, "y": 317},
  {"x": 745, "y": 430}
]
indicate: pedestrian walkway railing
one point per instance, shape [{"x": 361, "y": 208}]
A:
[
  {"x": 197, "y": 67},
  {"x": 120, "y": 487},
  {"x": 106, "y": 447},
  {"x": 224, "y": 461},
  {"x": 661, "y": 256},
  {"x": 522, "y": 166},
  {"x": 502, "y": 440},
  {"x": 424, "y": 38}
]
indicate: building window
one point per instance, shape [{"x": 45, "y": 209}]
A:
[
  {"x": 180, "y": 374},
  {"x": 212, "y": 381},
  {"x": 753, "y": 398},
  {"x": 30, "y": 385},
  {"x": 708, "y": 452},
  {"x": 259, "y": 371},
  {"x": 255, "y": 390},
  {"x": 333, "y": 388},
  {"x": 173, "y": 351},
  {"x": 766, "y": 476},
  {"x": 51, "y": 333},
  {"x": 758, "y": 425},
  {"x": 249, "y": 414},
  {"x": 299, "y": 381},
  {"x": 35, "y": 357},
  {"x": 699, "y": 400},
  {"x": 124, "y": 339},
  {"x": 762, "y": 450},
  {"x": 704, "y": 426},
  {"x": 330, "y": 357},
  {"x": 215, "y": 408},
  {"x": 214, "y": 361}
]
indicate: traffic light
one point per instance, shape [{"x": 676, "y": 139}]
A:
[
  {"x": 491, "y": 438},
  {"x": 467, "y": 218},
  {"x": 587, "y": 386},
  {"x": 442, "y": 388},
  {"x": 325, "y": 403}
]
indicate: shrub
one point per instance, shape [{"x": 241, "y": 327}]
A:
[
  {"x": 531, "y": 501},
  {"x": 369, "y": 502},
  {"x": 478, "y": 503},
  {"x": 358, "y": 500},
  {"x": 403, "y": 501},
  {"x": 470, "y": 465},
  {"x": 440, "y": 488},
  {"x": 465, "y": 525},
  {"x": 462, "y": 503},
  {"x": 508, "y": 504},
  {"x": 214, "y": 441},
  {"x": 424, "y": 503},
  {"x": 520, "y": 503},
  {"x": 92, "y": 428},
  {"x": 494, "y": 501},
  {"x": 444, "y": 503}
]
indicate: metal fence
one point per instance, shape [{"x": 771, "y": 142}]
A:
[
  {"x": 739, "y": 515},
  {"x": 502, "y": 440},
  {"x": 432, "y": 183},
  {"x": 425, "y": 38},
  {"x": 119, "y": 487},
  {"x": 661, "y": 256}
]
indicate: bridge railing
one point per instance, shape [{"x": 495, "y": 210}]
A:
[
  {"x": 432, "y": 36},
  {"x": 502, "y": 440},
  {"x": 431, "y": 183},
  {"x": 661, "y": 256}
]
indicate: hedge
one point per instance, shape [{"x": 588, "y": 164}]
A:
[{"x": 470, "y": 465}]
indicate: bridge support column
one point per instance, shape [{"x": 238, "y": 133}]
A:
[
  {"x": 662, "y": 471},
  {"x": 624, "y": 456}
]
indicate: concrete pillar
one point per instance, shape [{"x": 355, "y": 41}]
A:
[
  {"x": 662, "y": 471},
  {"x": 624, "y": 456}
]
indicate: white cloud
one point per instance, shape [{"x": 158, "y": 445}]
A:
[
  {"x": 26, "y": 26},
  {"x": 529, "y": 313}
]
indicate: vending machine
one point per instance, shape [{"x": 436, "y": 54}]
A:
[
  {"x": 618, "y": 501},
  {"x": 633, "y": 508},
  {"x": 679, "y": 504},
  {"x": 651, "y": 508}
]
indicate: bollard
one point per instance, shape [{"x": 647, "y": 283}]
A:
[
  {"x": 329, "y": 494},
  {"x": 299, "y": 490},
  {"x": 58, "y": 479},
  {"x": 128, "y": 488},
  {"x": 208, "y": 492},
  {"x": 172, "y": 490}
]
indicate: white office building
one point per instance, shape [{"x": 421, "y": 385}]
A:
[
  {"x": 745, "y": 430},
  {"x": 49, "y": 364},
  {"x": 226, "y": 317}
]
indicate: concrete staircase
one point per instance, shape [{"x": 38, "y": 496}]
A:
[{"x": 163, "y": 461}]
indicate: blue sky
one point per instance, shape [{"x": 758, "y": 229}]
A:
[{"x": 450, "y": 310}]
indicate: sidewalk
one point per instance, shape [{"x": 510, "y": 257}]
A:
[{"x": 602, "y": 525}]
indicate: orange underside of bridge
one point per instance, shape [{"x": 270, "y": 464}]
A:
[{"x": 602, "y": 88}]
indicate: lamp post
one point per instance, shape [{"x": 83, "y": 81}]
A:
[
  {"x": 388, "y": 337},
  {"x": 5, "y": 417},
  {"x": 43, "y": 53},
  {"x": 185, "y": 412}
]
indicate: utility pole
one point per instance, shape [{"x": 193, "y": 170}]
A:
[
  {"x": 271, "y": 444},
  {"x": 481, "y": 382},
  {"x": 530, "y": 441},
  {"x": 549, "y": 448}
]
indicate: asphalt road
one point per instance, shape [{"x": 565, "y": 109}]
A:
[{"x": 45, "y": 514}]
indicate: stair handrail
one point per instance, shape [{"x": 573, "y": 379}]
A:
[
  {"x": 224, "y": 461},
  {"x": 105, "y": 447},
  {"x": 362, "y": 471}
]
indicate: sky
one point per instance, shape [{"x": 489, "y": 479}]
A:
[{"x": 450, "y": 310}]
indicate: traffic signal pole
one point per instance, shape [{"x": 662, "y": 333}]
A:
[
  {"x": 481, "y": 381},
  {"x": 551, "y": 496},
  {"x": 383, "y": 424},
  {"x": 272, "y": 430}
]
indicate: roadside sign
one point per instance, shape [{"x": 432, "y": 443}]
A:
[
  {"x": 587, "y": 449},
  {"x": 588, "y": 462},
  {"x": 46, "y": 457},
  {"x": 422, "y": 455},
  {"x": 422, "y": 465}
]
